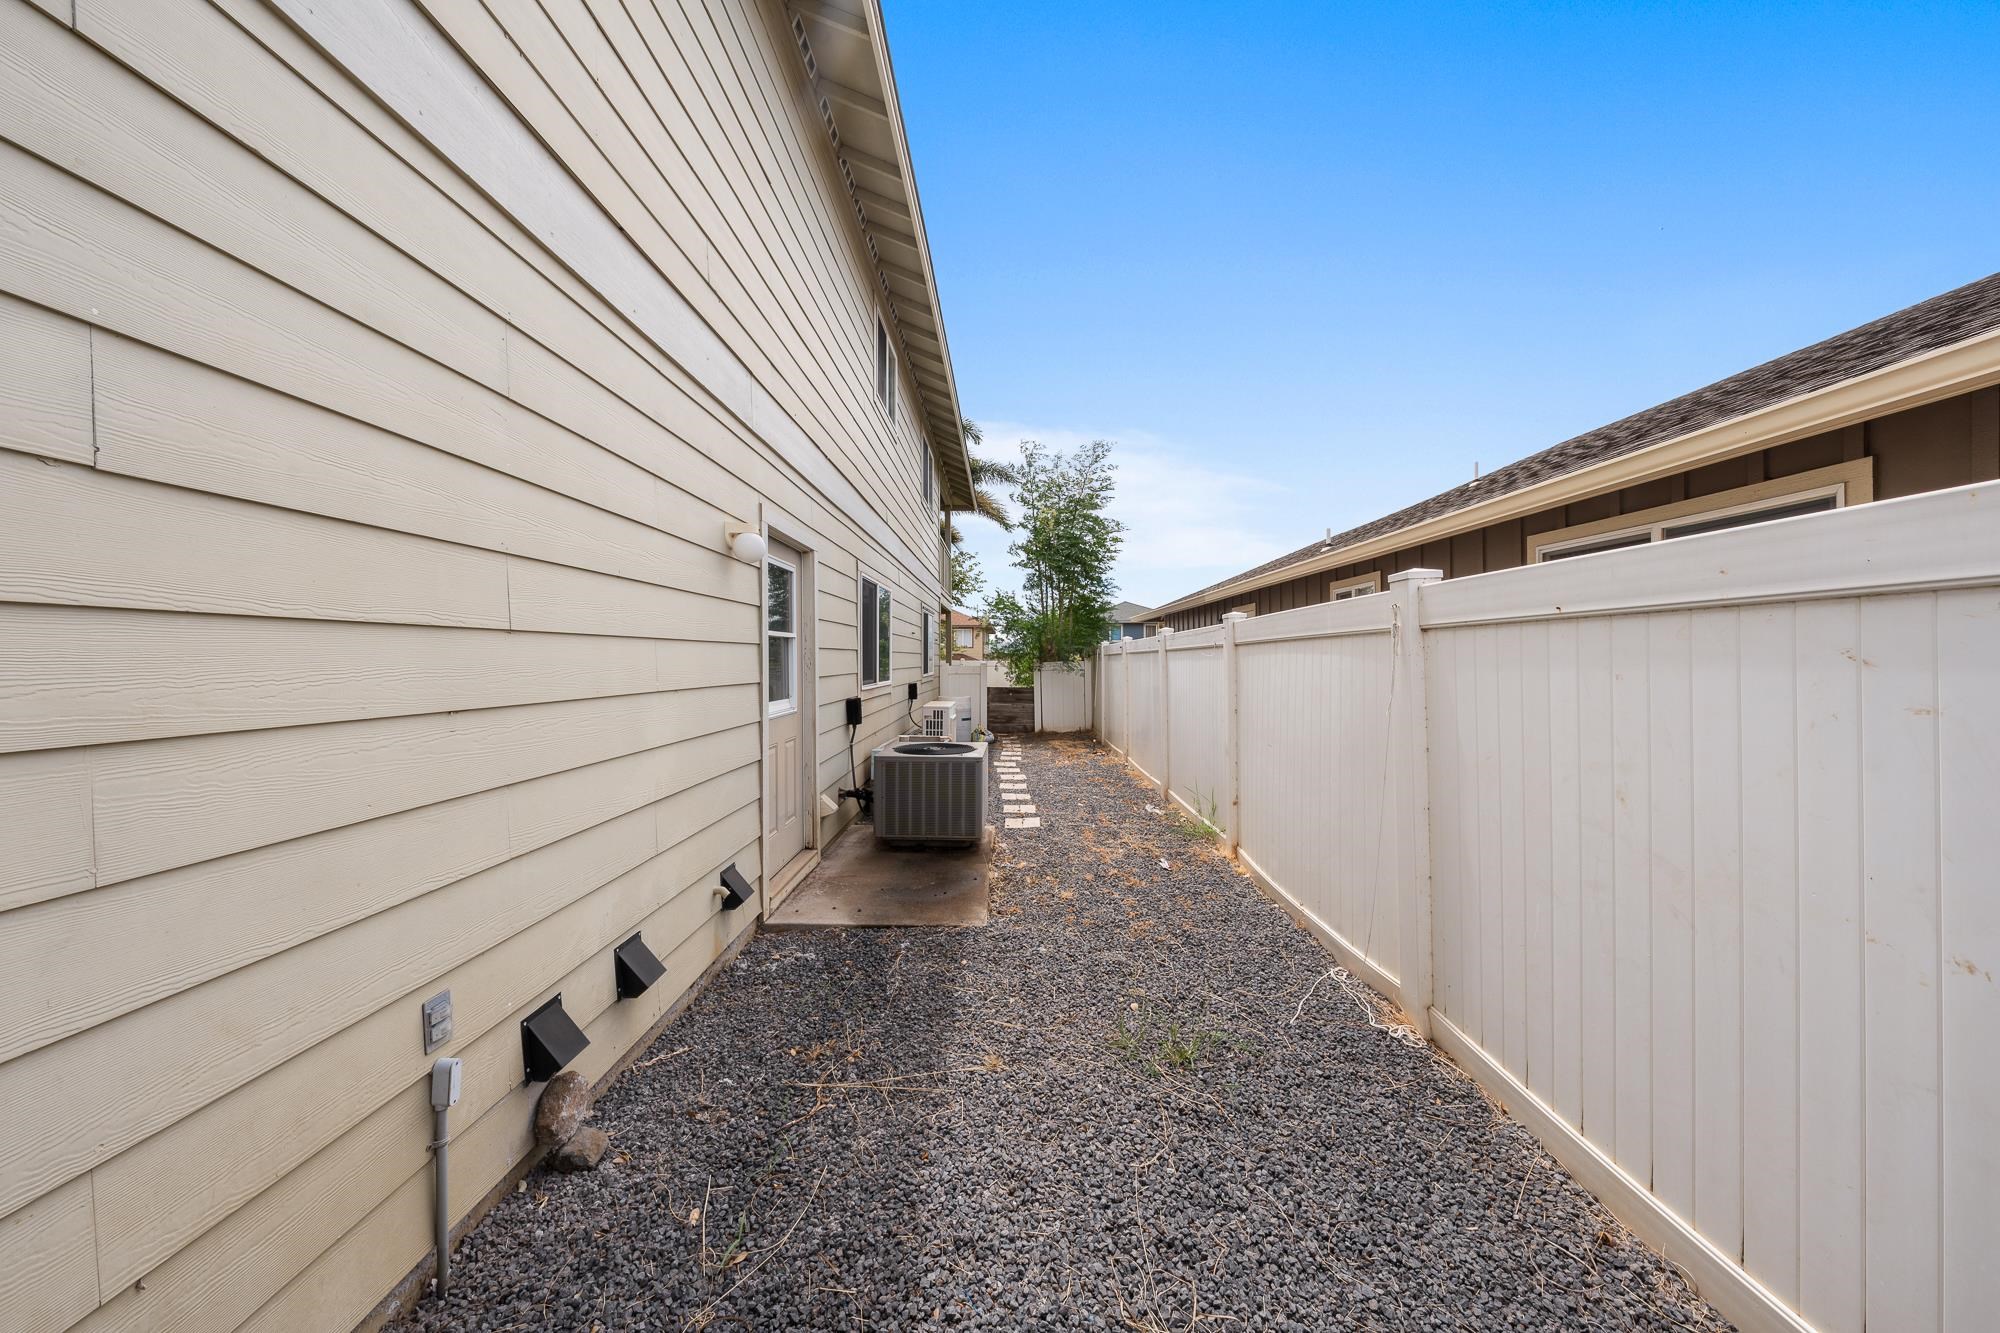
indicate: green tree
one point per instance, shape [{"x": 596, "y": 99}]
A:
[
  {"x": 967, "y": 579},
  {"x": 1065, "y": 550}
]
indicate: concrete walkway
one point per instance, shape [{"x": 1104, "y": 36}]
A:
[{"x": 1135, "y": 1100}]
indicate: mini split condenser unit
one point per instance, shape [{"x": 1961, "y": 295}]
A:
[
  {"x": 948, "y": 719},
  {"x": 930, "y": 790}
]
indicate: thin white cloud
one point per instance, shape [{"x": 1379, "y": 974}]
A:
[{"x": 1187, "y": 522}]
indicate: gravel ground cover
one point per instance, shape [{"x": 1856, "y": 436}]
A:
[{"x": 1136, "y": 1100}]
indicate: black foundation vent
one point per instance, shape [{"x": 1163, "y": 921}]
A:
[
  {"x": 637, "y": 968},
  {"x": 736, "y": 889},
  {"x": 550, "y": 1039}
]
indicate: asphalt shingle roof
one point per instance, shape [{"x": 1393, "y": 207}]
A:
[{"x": 1956, "y": 315}]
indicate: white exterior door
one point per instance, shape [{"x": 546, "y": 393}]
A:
[{"x": 787, "y": 756}]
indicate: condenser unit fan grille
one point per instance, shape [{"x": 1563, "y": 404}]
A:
[{"x": 930, "y": 791}]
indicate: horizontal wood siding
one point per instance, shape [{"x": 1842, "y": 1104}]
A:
[{"x": 363, "y": 569}]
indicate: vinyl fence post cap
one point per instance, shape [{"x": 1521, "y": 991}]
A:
[{"x": 1417, "y": 576}]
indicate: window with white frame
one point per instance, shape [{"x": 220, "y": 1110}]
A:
[
  {"x": 930, "y": 643},
  {"x": 1339, "y": 590},
  {"x": 876, "y": 632},
  {"x": 1788, "y": 497},
  {"x": 781, "y": 636},
  {"x": 885, "y": 370}
]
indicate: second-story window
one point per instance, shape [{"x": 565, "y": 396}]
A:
[{"x": 885, "y": 370}]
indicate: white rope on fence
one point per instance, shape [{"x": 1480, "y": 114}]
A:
[{"x": 1363, "y": 1000}]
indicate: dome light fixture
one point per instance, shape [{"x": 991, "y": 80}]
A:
[{"x": 745, "y": 543}]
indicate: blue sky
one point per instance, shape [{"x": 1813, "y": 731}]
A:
[{"x": 1310, "y": 262}]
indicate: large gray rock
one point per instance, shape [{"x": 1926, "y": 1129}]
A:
[
  {"x": 581, "y": 1151},
  {"x": 564, "y": 1104}
]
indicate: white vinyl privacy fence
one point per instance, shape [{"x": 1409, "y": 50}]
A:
[
  {"x": 1062, "y": 696},
  {"x": 965, "y": 682},
  {"x": 1690, "y": 853}
]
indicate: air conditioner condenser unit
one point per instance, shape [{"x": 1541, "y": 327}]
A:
[
  {"x": 930, "y": 790},
  {"x": 940, "y": 718}
]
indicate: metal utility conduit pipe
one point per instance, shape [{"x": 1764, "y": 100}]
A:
[{"x": 445, "y": 1076}]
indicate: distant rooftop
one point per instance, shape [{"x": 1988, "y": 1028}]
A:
[{"x": 1962, "y": 313}]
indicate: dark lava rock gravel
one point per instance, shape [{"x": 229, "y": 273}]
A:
[{"x": 1094, "y": 1113}]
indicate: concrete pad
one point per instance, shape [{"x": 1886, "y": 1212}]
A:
[
  {"x": 1029, "y": 821},
  {"x": 861, "y": 882}
]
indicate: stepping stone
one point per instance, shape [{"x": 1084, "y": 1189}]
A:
[
  {"x": 1019, "y": 810},
  {"x": 1030, "y": 821}
]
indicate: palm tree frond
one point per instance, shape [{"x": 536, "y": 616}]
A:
[{"x": 989, "y": 505}]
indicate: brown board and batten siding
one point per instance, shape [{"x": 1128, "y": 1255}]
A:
[
  {"x": 1953, "y": 442},
  {"x": 377, "y": 384}
]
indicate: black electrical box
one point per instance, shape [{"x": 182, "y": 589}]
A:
[
  {"x": 913, "y": 691},
  {"x": 550, "y": 1039},
  {"x": 854, "y": 711},
  {"x": 737, "y": 888},
  {"x": 637, "y": 967}
]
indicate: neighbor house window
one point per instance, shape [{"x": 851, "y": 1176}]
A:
[
  {"x": 962, "y": 637},
  {"x": 1359, "y": 586},
  {"x": 875, "y": 632},
  {"x": 781, "y": 635},
  {"x": 1786, "y": 497},
  {"x": 885, "y": 370}
]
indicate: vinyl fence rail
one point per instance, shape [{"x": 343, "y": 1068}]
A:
[{"x": 1689, "y": 853}]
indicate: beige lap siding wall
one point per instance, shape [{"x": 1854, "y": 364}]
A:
[{"x": 368, "y": 624}]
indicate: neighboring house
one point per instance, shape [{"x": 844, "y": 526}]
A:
[
  {"x": 393, "y": 397},
  {"x": 1129, "y": 620},
  {"x": 1898, "y": 406},
  {"x": 968, "y": 638}
]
